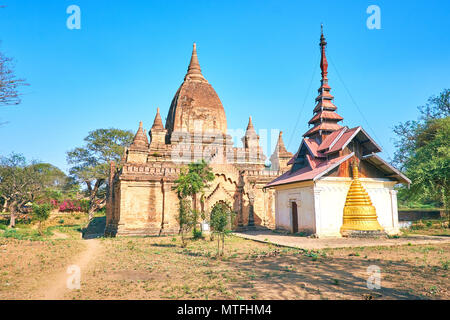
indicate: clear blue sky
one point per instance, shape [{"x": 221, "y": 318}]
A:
[{"x": 131, "y": 56}]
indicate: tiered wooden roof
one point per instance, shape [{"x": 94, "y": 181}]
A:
[
  {"x": 325, "y": 119},
  {"x": 327, "y": 147}
]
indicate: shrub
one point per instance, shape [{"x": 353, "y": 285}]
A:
[
  {"x": 69, "y": 205},
  {"x": 221, "y": 221},
  {"x": 185, "y": 219},
  {"x": 197, "y": 234},
  {"x": 41, "y": 213}
]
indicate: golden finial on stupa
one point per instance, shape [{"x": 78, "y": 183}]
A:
[{"x": 359, "y": 213}]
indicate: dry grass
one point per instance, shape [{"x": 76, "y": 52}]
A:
[
  {"x": 157, "y": 268},
  {"x": 26, "y": 265}
]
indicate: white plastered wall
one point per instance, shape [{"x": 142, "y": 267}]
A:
[
  {"x": 320, "y": 204},
  {"x": 331, "y": 194},
  {"x": 302, "y": 194}
]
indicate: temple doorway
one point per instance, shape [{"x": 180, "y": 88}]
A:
[{"x": 294, "y": 217}]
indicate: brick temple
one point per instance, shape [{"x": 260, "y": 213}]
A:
[{"x": 141, "y": 198}]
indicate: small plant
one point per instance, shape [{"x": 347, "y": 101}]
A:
[
  {"x": 221, "y": 221},
  {"x": 41, "y": 214},
  {"x": 197, "y": 234},
  {"x": 185, "y": 219},
  {"x": 61, "y": 221}
]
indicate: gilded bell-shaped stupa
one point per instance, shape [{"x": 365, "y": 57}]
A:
[{"x": 359, "y": 214}]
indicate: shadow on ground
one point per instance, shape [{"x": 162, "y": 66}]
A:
[
  {"x": 95, "y": 228},
  {"x": 299, "y": 278}
]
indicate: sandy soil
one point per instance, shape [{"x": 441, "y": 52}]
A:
[
  {"x": 324, "y": 243},
  {"x": 57, "y": 285},
  {"x": 158, "y": 268},
  {"x": 26, "y": 266}
]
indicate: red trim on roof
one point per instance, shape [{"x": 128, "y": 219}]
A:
[
  {"x": 324, "y": 104},
  {"x": 327, "y": 115},
  {"x": 331, "y": 138},
  {"x": 345, "y": 138},
  {"x": 308, "y": 173},
  {"x": 323, "y": 126},
  {"x": 324, "y": 95}
]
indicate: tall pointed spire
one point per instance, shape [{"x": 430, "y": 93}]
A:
[
  {"x": 250, "y": 124},
  {"x": 280, "y": 156},
  {"x": 157, "y": 123},
  {"x": 280, "y": 147},
  {"x": 323, "y": 57},
  {"x": 250, "y": 128},
  {"x": 325, "y": 119},
  {"x": 251, "y": 138},
  {"x": 194, "y": 71}
]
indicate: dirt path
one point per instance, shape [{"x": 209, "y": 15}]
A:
[
  {"x": 316, "y": 244},
  {"x": 57, "y": 285}
]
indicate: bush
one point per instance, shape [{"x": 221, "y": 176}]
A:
[
  {"x": 185, "y": 219},
  {"x": 41, "y": 213},
  {"x": 69, "y": 205},
  {"x": 197, "y": 234},
  {"x": 221, "y": 221}
]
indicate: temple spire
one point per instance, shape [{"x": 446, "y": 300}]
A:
[
  {"x": 157, "y": 123},
  {"x": 250, "y": 124},
  {"x": 323, "y": 57},
  {"x": 325, "y": 119},
  {"x": 280, "y": 156},
  {"x": 140, "y": 140},
  {"x": 280, "y": 147},
  {"x": 194, "y": 71}
]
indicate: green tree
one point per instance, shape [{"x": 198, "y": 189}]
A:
[
  {"x": 20, "y": 182},
  {"x": 221, "y": 221},
  {"x": 423, "y": 152},
  {"x": 193, "y": 180},
  {"x": 50, "y": 183},
  {"x": 90, "y": 164},
  {"x": 41, "y": 214}
]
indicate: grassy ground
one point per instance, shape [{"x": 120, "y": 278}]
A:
[
  {"x": 58, "y": 226},
  {"x": 428, "y": 227},
  {"x": 158, "y": 268}
]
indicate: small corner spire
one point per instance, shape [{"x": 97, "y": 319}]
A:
[
  {"x": 140, "y": 139},
  {"x": 157, "y": 123},
  {"x": 250, "y": 123}
]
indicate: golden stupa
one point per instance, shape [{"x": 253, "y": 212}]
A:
[{"x": 359, "y": 213}]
